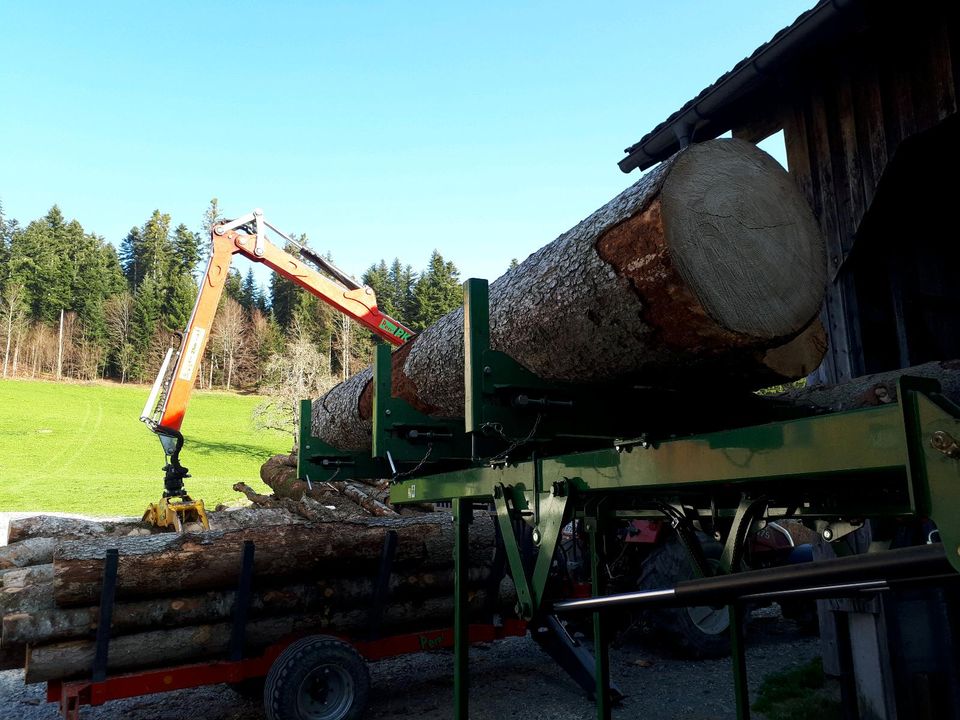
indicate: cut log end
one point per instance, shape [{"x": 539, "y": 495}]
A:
[{"x": 744, "y": 240}]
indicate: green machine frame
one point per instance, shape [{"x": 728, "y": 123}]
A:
[{"x": 546, "y": 453}]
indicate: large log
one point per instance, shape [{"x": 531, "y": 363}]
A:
[
  {"x": 708, "y": 261},
  {"x": 191, "y": 644},
  {"x": 32, "y": 551},
  {"x": 58, "y": 624},
  {"x": 27, "y": 589},
  {"x": 876, "y": 389},
  {"x": 169, "y": 563},
  {"x": 67, "y": 528},
  {"x": 32, "y": 539}
]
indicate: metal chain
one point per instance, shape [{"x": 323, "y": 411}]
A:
[
  {"x": 514, "y": 442},
  {"x": 419, "y": 465}
]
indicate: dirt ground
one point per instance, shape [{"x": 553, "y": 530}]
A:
[{"x": 510, "y": 678}]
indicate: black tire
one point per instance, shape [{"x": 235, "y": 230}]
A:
[
  {"x": 697, "y": 633},
  {"x": 317, "y": 678}
]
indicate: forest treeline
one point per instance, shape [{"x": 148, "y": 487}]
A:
[{"x": 74, "y": 306}]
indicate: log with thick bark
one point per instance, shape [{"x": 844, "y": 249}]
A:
[
  {"x": 191, "y": 644},
  {"x": 361, "y": 498},
  {"x": 169, "y": 563},
  {"x": 876, "y": 389},
  {"x": 28, "y": 589},
  {"x": 68, "y": 528},
  {"x": 692, "y": 273},
  {"x": 45, "y": 529},
  {"x": 32, "y": 551},
  {"x": 279, "y": 473},
  {"x": 58, "y": 624}
]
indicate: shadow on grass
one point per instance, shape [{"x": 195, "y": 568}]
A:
[{"x": 202, "y": 447}]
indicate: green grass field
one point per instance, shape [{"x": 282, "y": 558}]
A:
[{"x": 81, "y": 448}]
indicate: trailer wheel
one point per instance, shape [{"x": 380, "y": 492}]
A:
[
  {"x": 695, "y": 632},
  {"x": 317, "y": 678}
]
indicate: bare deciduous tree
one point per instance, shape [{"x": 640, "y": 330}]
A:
[
  {"x": 119, "y": 314},
  {"x": 13, "y": 315},
  {"x": 228, "y": 336},
  {"x": 300, "y": 371}
]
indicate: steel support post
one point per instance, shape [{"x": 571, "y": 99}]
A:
[
  {"x": 601, "y": 654},
  {"x": 738, "y": 657},
  {"x": 462, "y": 515}
]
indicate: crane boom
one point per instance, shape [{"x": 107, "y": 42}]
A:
[{"x": 247, "y": 235}]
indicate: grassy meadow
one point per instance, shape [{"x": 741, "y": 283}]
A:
[{"x": 81, "y": 448}]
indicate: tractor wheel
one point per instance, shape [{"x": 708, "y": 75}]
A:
[
  {"x": 696, "y": 632},
  {"x": 317, "y": 678}
]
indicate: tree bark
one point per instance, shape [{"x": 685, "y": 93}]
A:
[
  {"x": 51, "y": 624},
  {"x": 54, "y": 529},
  {"x": 361, "y": 498},
  {"x": 170, "y": 563},
  {"x": 67, "y": 528},
  {"x": 191, "y": 644},
  {"x": 876, "y": 389},
  {"x": 708, "y": 261},
  {"x": 27, "y": 589},
  {"x": 33, "y": 551}
]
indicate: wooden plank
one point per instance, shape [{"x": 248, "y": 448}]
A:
[
  {"x": 953, "y": 40},
  {"x": 921, "y": 65},
  {"x": 836, "y": 300},
  {"x": 895, "y": 80},
  {"x": 796, "y": 140},
  {"x": 758, "y": 128},
  {"x": 855, "y": 205},
  {"x": 940, "y": 64},
  {"x": 796, "y": 135},
  {"x": 868, "y": 109}
]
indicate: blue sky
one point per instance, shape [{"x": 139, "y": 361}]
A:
[{"x": 380, "y": 129}]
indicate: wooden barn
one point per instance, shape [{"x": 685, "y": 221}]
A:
[{"x": 866, "y": 95}]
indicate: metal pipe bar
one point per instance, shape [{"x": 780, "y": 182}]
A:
[{"x": 890, "y": 566}]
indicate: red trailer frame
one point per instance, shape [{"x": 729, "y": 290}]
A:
[{"x": 74, "y": 694}]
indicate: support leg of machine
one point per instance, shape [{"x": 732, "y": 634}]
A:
[
  {"x": 462, "y": 514},
  {"x": 600, "y": 648},
  {"x": 738, "y": 657}
]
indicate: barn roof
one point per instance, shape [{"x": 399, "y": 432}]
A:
[{"x": 709, "y": 113}]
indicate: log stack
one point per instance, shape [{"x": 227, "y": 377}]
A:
[
  {"x": 176, "y": 593},
  {"x": 709, "y": 269}
]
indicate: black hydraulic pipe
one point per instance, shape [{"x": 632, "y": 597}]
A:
[{"x": 922, "y": 561}]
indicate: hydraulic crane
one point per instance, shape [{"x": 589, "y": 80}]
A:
[{"x": 165, "y": 407}]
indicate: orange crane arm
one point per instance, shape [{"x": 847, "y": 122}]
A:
[{"x": 233, "y": 238}]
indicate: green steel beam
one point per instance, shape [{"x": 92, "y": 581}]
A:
[
  {"x": 550, "y": 518},
  {"x": 859, "y": 441},
  {"x": 319, "y": 462},
  {"x": 601, "y": 650},
  {"x": 507, "y": 511},
  {"x": 462, "y": 516},
  {"x": 935, "y": 473}
]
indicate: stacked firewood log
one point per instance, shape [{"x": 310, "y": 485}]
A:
[{"x": 315, "y": 566}]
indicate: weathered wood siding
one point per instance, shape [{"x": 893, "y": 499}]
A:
[{"x": 844, "y": 114}]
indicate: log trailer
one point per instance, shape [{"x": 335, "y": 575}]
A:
[
  {"x": 548, "y": 457},
  {"x": 165, "y": 407}
]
